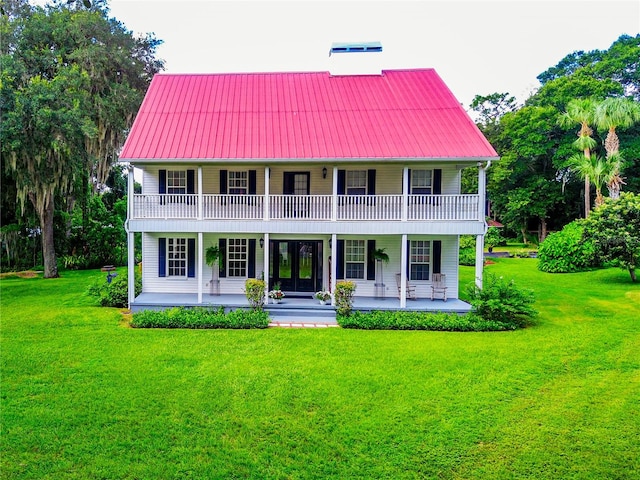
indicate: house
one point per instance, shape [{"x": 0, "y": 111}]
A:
[{"x": 298, "y": 177}]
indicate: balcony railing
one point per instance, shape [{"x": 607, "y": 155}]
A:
[{"x": 309, "y": 207}]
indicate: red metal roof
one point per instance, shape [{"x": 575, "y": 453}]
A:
[{"x": 399, "y": 114}]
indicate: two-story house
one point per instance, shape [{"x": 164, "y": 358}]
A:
[{"x": 298, "y": 178}]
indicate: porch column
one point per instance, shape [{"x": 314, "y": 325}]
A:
[
  {"x": 482, "y": 187},
  {"x": 403, "y": 272},
  {"x": 200, "y": 206},
  {"x": 479, "y": 259},
  {"x": 200, "y": 260},
  {"x": 265, "y": 266},
  {"x": 405, "y": 194},
  {"x": 267, "y": 174},
  {"x": 131, "y": 259},
  {"x": 334, "y": 199},
  {"x": 334, "y": 266}
]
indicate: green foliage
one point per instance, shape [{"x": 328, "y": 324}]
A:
[
  {"x": 200, "y": 317},
  {"x": 345, "y": 290},
  {"x": 254, "y": 290},
  {"x": 467, "y": 241},
  {"x": 114, "y": 294},
  {"x": 403, "y": 320},
  {"x": 467, "y": 256},
  {"x": 614, "y": 228},
  {"x": 502, "y": 302},
  {"x": 522, "y": 253},
  {"x": 494, "y": 238},
  {"x": 566, "y": 251}
]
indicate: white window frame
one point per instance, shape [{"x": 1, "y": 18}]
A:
[
  {"x": 417, "y": 256},
  {"x": 421, "y": 182},
  {"x": 177, "y": 257},
  {"x": 238, "y": 182},
  {"x": 355, "y": 253},
  {"x": 356, "y": 182},
  {"x": 176, "y": 182},
  {"x": 237, "y": 257}
]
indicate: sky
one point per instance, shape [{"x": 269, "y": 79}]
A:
[{"x": 478, "y": 47}]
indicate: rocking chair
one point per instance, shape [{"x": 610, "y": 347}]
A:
[
  {"x": 439, "y": 286},
  {"x": 411, "y": 289}
]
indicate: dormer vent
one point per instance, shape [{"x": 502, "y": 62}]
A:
[
  {"x": 365, "y": 58},
  {"x": 355, "y": 47}
]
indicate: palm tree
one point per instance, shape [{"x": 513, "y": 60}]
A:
[
  {"x": 582, "y": 111},
  {"x": 598, "y": 169},
  {"x": 609, "y": 114}
]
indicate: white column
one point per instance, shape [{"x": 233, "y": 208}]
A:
[
  {"x": 200, "y": 260},
  {"x": 334, "y": 266},
  {"x": 405, "y": 194},
  {"x": 482, "y": 185},
  {"x": 200, "y": 206},
  {"x": 479, "y": 259},
  {"x": 334, "y": 199},
  {"x": 403, "y": 272},
  {"x": 482, "y": 191},
  {"x": 131, "y": 258},
  {"x": 267, "y": 174},
  {"x": 265, "y": 266}
]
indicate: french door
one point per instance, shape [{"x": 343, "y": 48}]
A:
[{"x": 296, "y": 265}]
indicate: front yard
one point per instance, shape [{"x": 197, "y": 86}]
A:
[{"x": 84, "y": 396}]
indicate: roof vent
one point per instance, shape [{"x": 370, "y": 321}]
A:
[{"x": 365, "y": 58}]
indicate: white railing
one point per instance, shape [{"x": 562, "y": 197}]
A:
[
  {"x": 310, "y": 207},
  {"x": 307, "y": 207},
  {"x": 233, "y": 207},
  {"x": 370, "y": 207}
]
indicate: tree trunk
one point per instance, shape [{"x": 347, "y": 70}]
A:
[
  {"x": 48, "y": 249},
  {"x": 543, "y": 230},
  {"x": 587, "y": 196},
  {"x": 523, "y": 229},
  {"x": 632, "y": 272}
]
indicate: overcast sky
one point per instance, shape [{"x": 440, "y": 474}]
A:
[{"x": 477, "y": 46}]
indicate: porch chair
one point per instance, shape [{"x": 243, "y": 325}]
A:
[
  {"x": 411, "y": 289},
  {"x": 439, "y": 286}
]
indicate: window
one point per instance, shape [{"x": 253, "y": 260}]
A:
[
  {"x": 237, "y": 257},
  {"x": 419, "y": 259},
  {"x": 177, "y": 257},
  {"x": 354, "y": 253},
  {"x": 238, "y": 183},
  {"x": 176, "y": 182},
  {"x": 356, "y": 182},
  {"x": 421, "y": 182}
]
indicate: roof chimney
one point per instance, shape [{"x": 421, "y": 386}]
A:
[{"x": 357, "y": 58}]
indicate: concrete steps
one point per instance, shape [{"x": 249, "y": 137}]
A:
[{"x": 298, "y": 314}]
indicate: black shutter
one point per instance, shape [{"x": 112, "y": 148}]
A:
[
  {"x": 191, "y": 257},
  {"x": 408, "y": 182},
  {"x": 437, "y": 256},
  {"x": 371, "y": 262},
  {"x": 191, "y": 183},
  {"x": 288, "y": 183},
  {"x": 222, "y": 262},
  {"x": 371, "y": 182},
  {"x": 437, "y": 181},
  {"x": 162, "y": 187},
  {"x": 223, "y": 182},
  {"x": 251, "y": 257},
  {"x": 340, "y": 260},
  {"x": 162, "y": 257},
  {"x": 342, "y": 181},
  {"x": 252, "y": 182}
]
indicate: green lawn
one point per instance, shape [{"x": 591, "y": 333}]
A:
[{"x": 83, "y": 396}]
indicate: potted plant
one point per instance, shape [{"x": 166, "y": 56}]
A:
[
  {"x": 323, "y": 296},
  {"x": 211, "y": 258},
  {"x": 276, "y": 295},
  {"x": 381, "y": 257}
]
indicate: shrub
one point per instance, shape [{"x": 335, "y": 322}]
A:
[
  {"x": 254, "y": 289},
  {"x": 344, "y": 297},
  {"x": 467, "y": 241},
  {"x": 114, "y": 294},
  {"x": 403, "y": 320},
  {"x": 566, "y": 251},
  {"x": 200, "y": 317},
  {"x": 467, "y": 256},
  {"x": 502, "y": 302},
  {"x": 522, "y": 253},
  {"x": 494, "y": 238}
]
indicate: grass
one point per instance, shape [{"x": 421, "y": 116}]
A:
[{"x": 83, "y": 396}]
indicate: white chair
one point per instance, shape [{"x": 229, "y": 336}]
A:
[
  {"x": 411, "y": 289},
  {"x": 439, "y": 286}
]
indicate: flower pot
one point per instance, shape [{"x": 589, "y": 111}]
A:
[{"x": 322, "y": 302}]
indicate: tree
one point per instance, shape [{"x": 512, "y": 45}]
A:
[
  {"x": 71, "y": 81},
  {"x": 598, "y": 169},
  {"x": 614, "y": 228}
]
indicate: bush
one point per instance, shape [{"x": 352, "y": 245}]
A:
[
  {"x": 114, "y": 294},
  {"x": 522, "y": 253},
  {"x": 403, "y": 320},
  {"x": 467, "y": 256},
  {"x": 344, "y": 297},
  {"x": 566, "y": 251},
  {"x": 200, "y": 317},
  {"x": 254, "y": 289},
  {"x": 467, "y": 241},
  {"x": 494, "y": 238},
  {"x": 501, "y": 301}
]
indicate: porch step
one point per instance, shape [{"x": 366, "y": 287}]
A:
[{"x": 302, "y": 314}]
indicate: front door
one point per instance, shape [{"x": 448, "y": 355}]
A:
[{"x": 296, "y": 265}]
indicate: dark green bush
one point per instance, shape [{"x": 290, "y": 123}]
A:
[
  {"x": 114, "y": 294},
  {"x": 200, "y": 317},
  {"x": 566, "y": 251},
  {"x": 494, "y": 238},
  {"x": 403, "y": 320},
  {"x": 502, "y": 302},
  {"x": 467, "y": 256}
]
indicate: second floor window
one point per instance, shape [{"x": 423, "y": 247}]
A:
[
  {"x": 354, "y": 253},
  {"x": 176, "y": 182},
  {"x": 356, "y": 182},
  {"x": 237, "y": 257},
  {"x": 238, "y": 183},
  {"x": 421, "y": 182}
]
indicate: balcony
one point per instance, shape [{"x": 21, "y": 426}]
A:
[{"x": 392, "y": 208}]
